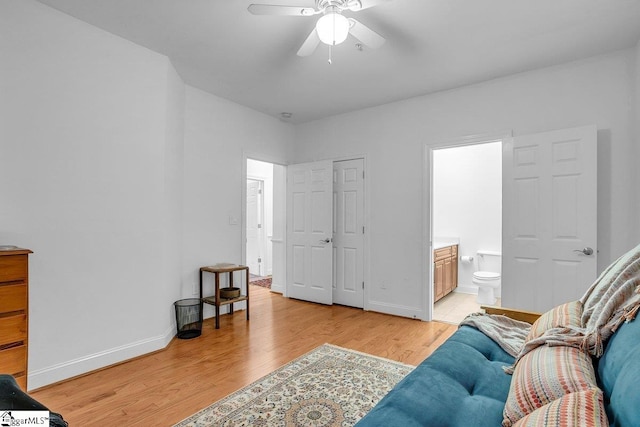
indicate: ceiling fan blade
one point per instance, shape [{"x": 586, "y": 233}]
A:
[
  {"x": 310, "y": 44},
  {"x": 356, "y": 5},
  {"x": 365, "y": 34},
  {"x": 272, "y": 9}
]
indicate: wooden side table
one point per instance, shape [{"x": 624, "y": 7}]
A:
[{"x": 215, "y": 299}]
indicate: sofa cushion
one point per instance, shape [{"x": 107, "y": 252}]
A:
[
  {"x": 579, "y": 409},
  {"x": 563, "y": 316},
  {"x": 544, "y": 375},
  {"x": 618, "y": 374},
  {"x": 461, "y": 384}
]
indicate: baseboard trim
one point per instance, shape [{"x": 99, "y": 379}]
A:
[
  {"x": 394, "y": 309},
  {"x": 466, "y": 289},
  {"x": 275, "y": 287},
  {"x": 93, "y": 362},
  {"x": 473, "y": 290}
]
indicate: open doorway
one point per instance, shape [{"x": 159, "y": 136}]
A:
[
  {"x": 264, "y": 227},
  {"x": 466, "y": 215}
]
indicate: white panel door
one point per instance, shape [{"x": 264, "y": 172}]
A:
[
  {"x": 549, "y": 218},
  {"x": 348, "y": 233},
  {"x": 253, "y": 224},
  {"x": 309, "y": 231}
]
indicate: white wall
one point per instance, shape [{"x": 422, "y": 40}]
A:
[
  {"x": 172, "y": 207},
  {"x": 278, "y": 281},
  {"x": 217, "y": 132},
  {"x": 597, "y": 90},
  {"x": 467, "y": 200},
  {"x": 91, "y": 127},
  {"x": 119, "y": 178}
]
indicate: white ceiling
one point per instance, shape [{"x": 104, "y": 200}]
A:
[{"x": 432, "y": 45}]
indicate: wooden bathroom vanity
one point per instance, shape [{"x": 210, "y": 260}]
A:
[{"x": 445, "y": 270}]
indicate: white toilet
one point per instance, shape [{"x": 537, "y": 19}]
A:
[{"x": 487, "y": 278}]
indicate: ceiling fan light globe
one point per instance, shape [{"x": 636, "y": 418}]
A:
[{"x": 332, "y": 28}]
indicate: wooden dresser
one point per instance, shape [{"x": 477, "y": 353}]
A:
[{"x": 14, "y": 313}]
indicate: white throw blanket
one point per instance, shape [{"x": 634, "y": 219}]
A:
[{"x": 508, "y": 333}]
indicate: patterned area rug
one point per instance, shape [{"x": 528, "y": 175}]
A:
[
  {"x": 329, "y": 386},
  {"x": 265, "y": 282}
]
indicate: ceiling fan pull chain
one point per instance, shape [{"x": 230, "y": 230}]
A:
[{"x": 333, "y": 29}]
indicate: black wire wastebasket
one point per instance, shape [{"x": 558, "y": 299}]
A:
[{"x": 188, "y": 317}]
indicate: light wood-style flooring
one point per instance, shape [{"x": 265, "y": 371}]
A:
[{"x": 165, "y": 387}]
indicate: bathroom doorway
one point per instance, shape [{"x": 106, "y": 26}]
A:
[{"x": 466, "y": 218}]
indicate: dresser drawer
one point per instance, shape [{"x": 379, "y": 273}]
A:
[
  {"x": 13, "y": 297},
  {"x": 13, "y": 268},
  {"x": 13, "y": 360},
  {"x": 13, "y": 328}
]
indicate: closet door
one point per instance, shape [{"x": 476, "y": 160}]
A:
[
  {"x": 309, "y": 231},
  {"x": 348, "y": 233}
]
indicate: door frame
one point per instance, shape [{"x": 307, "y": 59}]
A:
[
  {"x": 427, "y": 206},
  {"x": 247, "y": 154}
]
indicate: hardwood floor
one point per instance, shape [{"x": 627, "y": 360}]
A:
[{"x": 165, "y": 387}]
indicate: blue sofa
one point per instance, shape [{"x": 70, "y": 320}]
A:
[{"x": 462, "y": 384}]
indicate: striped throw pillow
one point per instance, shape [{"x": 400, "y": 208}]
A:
[
  {"x": 562, "y": 316},
  {"x": 579, "y": 409},
  {"x": 544, "y": 375}
]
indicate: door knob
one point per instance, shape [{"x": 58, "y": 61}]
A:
[
  {"x": 586, "y": 251},
  {"x": 327, "y": 240}
]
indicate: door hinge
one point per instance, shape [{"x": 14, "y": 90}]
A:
[
  {"x": 259, "y": 191},
  {"x": 259, "y": 225},
  {"x": 363, "y": 174},
  {"x": 259, "y": 259},
  {"x": 363, "y": 229},
  {"x": 362, "y": 285}
]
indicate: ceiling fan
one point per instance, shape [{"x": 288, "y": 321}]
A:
[{"x": 333, "y": 27}]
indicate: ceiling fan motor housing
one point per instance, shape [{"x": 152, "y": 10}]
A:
[{"x": 340, "y": 5}]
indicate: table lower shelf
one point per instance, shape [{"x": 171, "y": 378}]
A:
[{"x": 224, "y": 301}]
